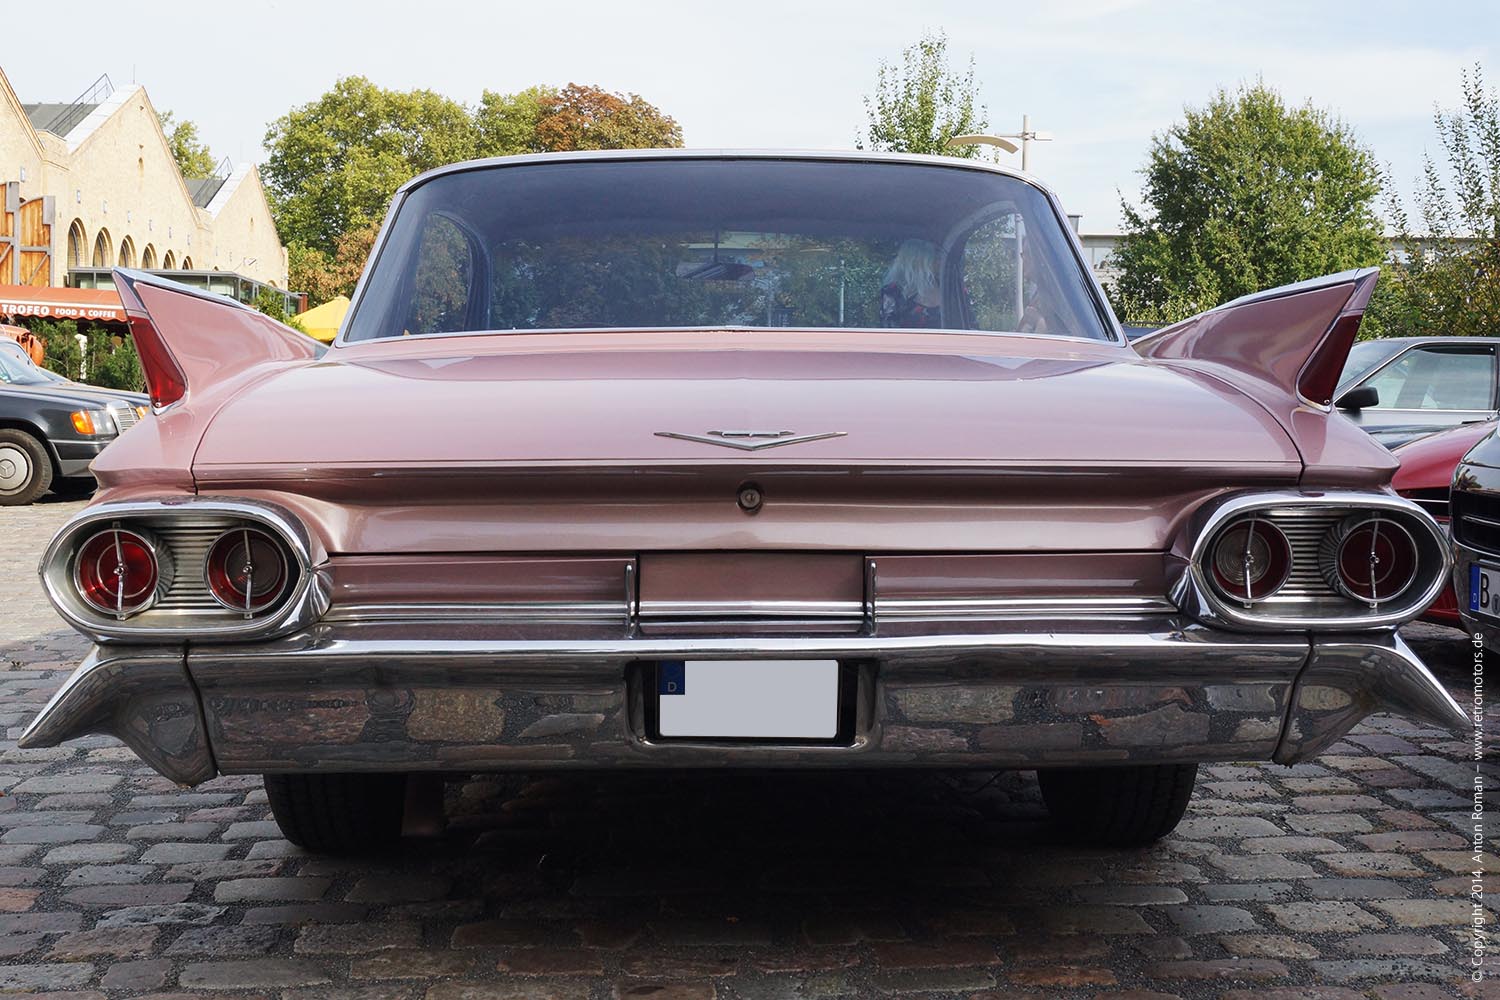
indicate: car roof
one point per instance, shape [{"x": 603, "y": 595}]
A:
[
  {"x": 810, "y": 156},
  {"x": 1406, "y": 341}
]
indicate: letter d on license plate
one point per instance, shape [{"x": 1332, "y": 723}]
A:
[{"x": 748, "y": 699}]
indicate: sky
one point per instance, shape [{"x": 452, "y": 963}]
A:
[{"x": 1101, "y": 75}]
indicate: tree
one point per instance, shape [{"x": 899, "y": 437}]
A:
[
  {"x": 920, "y": 104},
  {"x": 334, "y": 163},
  {"x": 191, "y": 153},
  {"x": 588, "y": 117},
  {"x": 506, "y": 123},
  {"x": 1244, "y": 194},
  {"x": 1445, "y": 279},
  {"x": 325, "y": 276}
]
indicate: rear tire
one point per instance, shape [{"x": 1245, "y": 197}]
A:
[
  {"x": 25, "y": 468},
  {"x": 1118, "y": 806},
  {"x": 338, "y": 813}
]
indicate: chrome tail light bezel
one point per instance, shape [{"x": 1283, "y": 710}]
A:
[
  {"x": 305, "y": 600},
  {"x": 1194, "y": 592},
  {"x": 114, "y": 534},
  {"x": 284, "y": 584}
]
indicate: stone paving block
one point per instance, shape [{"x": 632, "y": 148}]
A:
[
  {"x": 1258, "y": 867},
  {"x": 1268, "y": 946},
  {"x": 1234, "y": 970},
  {"x": 1356, "y": 864},
  {"x": 1323, "y": 917},
  {"x": 412, "y": 964},
  {"x": 1400, "y": 969},
  {"x": 116, "y": 942},
  {"x": 258, "y": 890},
  {"x": 354, "y": 939},
  {"x": 1210, "y": 919},
  {"x": 1425, "y": 912},
  {"x": 1380, "y": 945},
  {"x": 1355, "y": 888},
  {"x": 52, "y": 976},
  {"x": 226, "y": 941},
  {"x": 1327, "y": 823},
  {"x": 1216, "y": 827},
  {"x": 136, "y": 977},
  {"x": 255, "y": 972}
]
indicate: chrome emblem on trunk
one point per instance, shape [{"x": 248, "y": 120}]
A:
[{"x": 751, "y": 440}]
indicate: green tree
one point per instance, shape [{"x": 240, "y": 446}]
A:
[
  {"x": 1445, "y": 277},
  {"x": 920, "y": 103},
  {"x": 334, "y": 163},
  {"x": 1244, "y": 194},
  {"x": 506, "y": 123},
  {"x": 191, "y": 152}
]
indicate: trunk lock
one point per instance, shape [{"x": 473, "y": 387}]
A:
[{"x": 750, "y": 498}]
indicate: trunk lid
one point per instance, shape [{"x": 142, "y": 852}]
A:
[{"x": 479, "y": 406}]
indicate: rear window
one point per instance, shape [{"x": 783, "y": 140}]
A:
[{"x": 684, "y": 243}]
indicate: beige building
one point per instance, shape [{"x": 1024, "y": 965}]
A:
[{"x": 91, "y": 184}]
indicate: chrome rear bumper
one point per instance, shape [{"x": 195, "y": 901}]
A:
[{"x": 1042, "y": 693}]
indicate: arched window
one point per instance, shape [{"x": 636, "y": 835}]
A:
[
  {"x": 148, "y": 258},
  {"x": 104, "y": 250},
  {"x": 169, "y": 262},
  {"x": 77, "y": 245},
  {"x": 187, "y": 263},
  {"x": 127, "y": 252}
]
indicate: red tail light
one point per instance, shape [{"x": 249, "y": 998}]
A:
[
  {"x": 1370, "y": 559},
  {"x": 164, "y": 380},
  {"x": 246, "y": 570},
  {"x": 1250, "y": 560},
  {"x": 117, "y": 572}
]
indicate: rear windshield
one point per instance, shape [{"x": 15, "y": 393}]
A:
[{"x": 676, "y": 243}]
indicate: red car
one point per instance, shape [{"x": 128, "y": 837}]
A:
[
  {"x": 680, "y": 459},
  {"x": 1427, "y": 467}
]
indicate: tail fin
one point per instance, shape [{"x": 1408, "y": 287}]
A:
[
  {"x": 1293, "y": 339},
  {"x": 188, "y": 338}
]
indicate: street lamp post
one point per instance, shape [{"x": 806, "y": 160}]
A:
[{"x": 1027, "y": 136}]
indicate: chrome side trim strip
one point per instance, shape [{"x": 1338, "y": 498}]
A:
[
  {"x": 906, "y": 610},
  {"x": 945, "y": 609},
  {"x": 595, "y": 613}
]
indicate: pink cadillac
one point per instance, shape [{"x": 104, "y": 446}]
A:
[{"x": 691, "y": 460}]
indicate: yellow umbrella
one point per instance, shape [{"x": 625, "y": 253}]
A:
[{"x": 322, "y": 322}]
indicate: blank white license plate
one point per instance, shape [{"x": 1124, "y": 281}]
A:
[
  {"x": 1484, "y": 590},
  {"x": 754, "y": 699}
]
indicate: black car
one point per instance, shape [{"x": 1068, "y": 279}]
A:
[{"x": 50, "y": 431}]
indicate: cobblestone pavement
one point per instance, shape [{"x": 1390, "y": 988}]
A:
[{"x": 1346, "y": 878}]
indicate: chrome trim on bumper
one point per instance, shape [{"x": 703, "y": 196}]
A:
[
  {"x": 1039, "y": 694},
  {"x": 141, "y": 695}
]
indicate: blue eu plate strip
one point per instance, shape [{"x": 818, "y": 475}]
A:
[
  {"x": 1474, "y": 587},
  {"x": 671, "y": 677}
]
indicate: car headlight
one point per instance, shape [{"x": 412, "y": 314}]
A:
[{"x": 94, "y": 423}]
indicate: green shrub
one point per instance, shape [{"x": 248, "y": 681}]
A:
[
  {"x": 60, "y": 341},
  {"x": 113, "y": 362}
]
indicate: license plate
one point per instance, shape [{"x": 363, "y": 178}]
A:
[
  {"x": 748, "y": 699},
  {"x": 1484, "y": 590}
]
